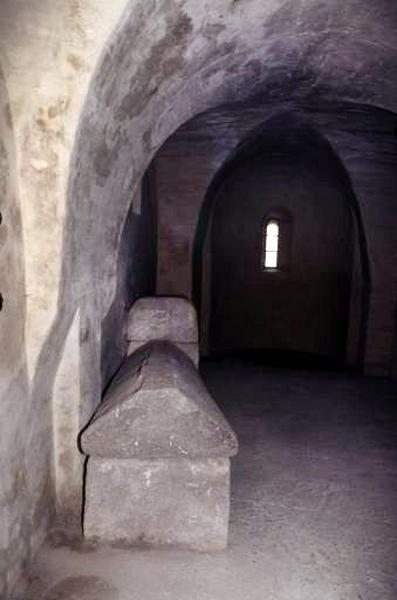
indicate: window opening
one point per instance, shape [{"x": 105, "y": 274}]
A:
[{"x": 271, "y": 244}]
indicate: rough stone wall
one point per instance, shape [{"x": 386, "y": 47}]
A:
[
  {"x": 180, "y": 195},
  {"x": 140, "y": 69}
]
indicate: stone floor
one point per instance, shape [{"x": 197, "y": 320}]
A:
[{"x": 314, "y": 511}]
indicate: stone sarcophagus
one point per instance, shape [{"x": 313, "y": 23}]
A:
[
  {"x": 164, "y": 318},
  {"x": 159, "y": 456}
]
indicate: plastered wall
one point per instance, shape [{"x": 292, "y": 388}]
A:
[
  {"x": 47, "y": 54},
  {"x": 24, "y": 462}
]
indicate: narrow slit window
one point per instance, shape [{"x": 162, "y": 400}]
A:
[{"x": 271, "y": 244}]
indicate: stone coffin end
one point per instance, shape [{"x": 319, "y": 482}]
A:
[
  {"x": 168, "y": 318},
  {"x": 158, "y": 407}
]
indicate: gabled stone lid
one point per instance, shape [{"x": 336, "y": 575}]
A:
[
  {"x": 156, "y": 407},
  {"x": 173, "y": 319}
]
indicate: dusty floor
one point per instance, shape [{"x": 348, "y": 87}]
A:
[{"x": 314, "y": 511}]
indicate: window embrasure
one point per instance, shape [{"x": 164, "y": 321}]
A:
[{"x": 271, "y": 239}]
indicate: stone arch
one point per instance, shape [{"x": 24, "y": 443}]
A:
[
  {"x": 143, "y": 90},
  {"x": 257, "y": 143}
]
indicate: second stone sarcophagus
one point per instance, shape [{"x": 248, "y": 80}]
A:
[{"x": 159, "y": 452}]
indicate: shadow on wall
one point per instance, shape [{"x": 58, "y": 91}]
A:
[
  {"x": 306, "y": 304},
  {"x": 25, "y": 480},
  {"x": 136, "y": 273}
]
